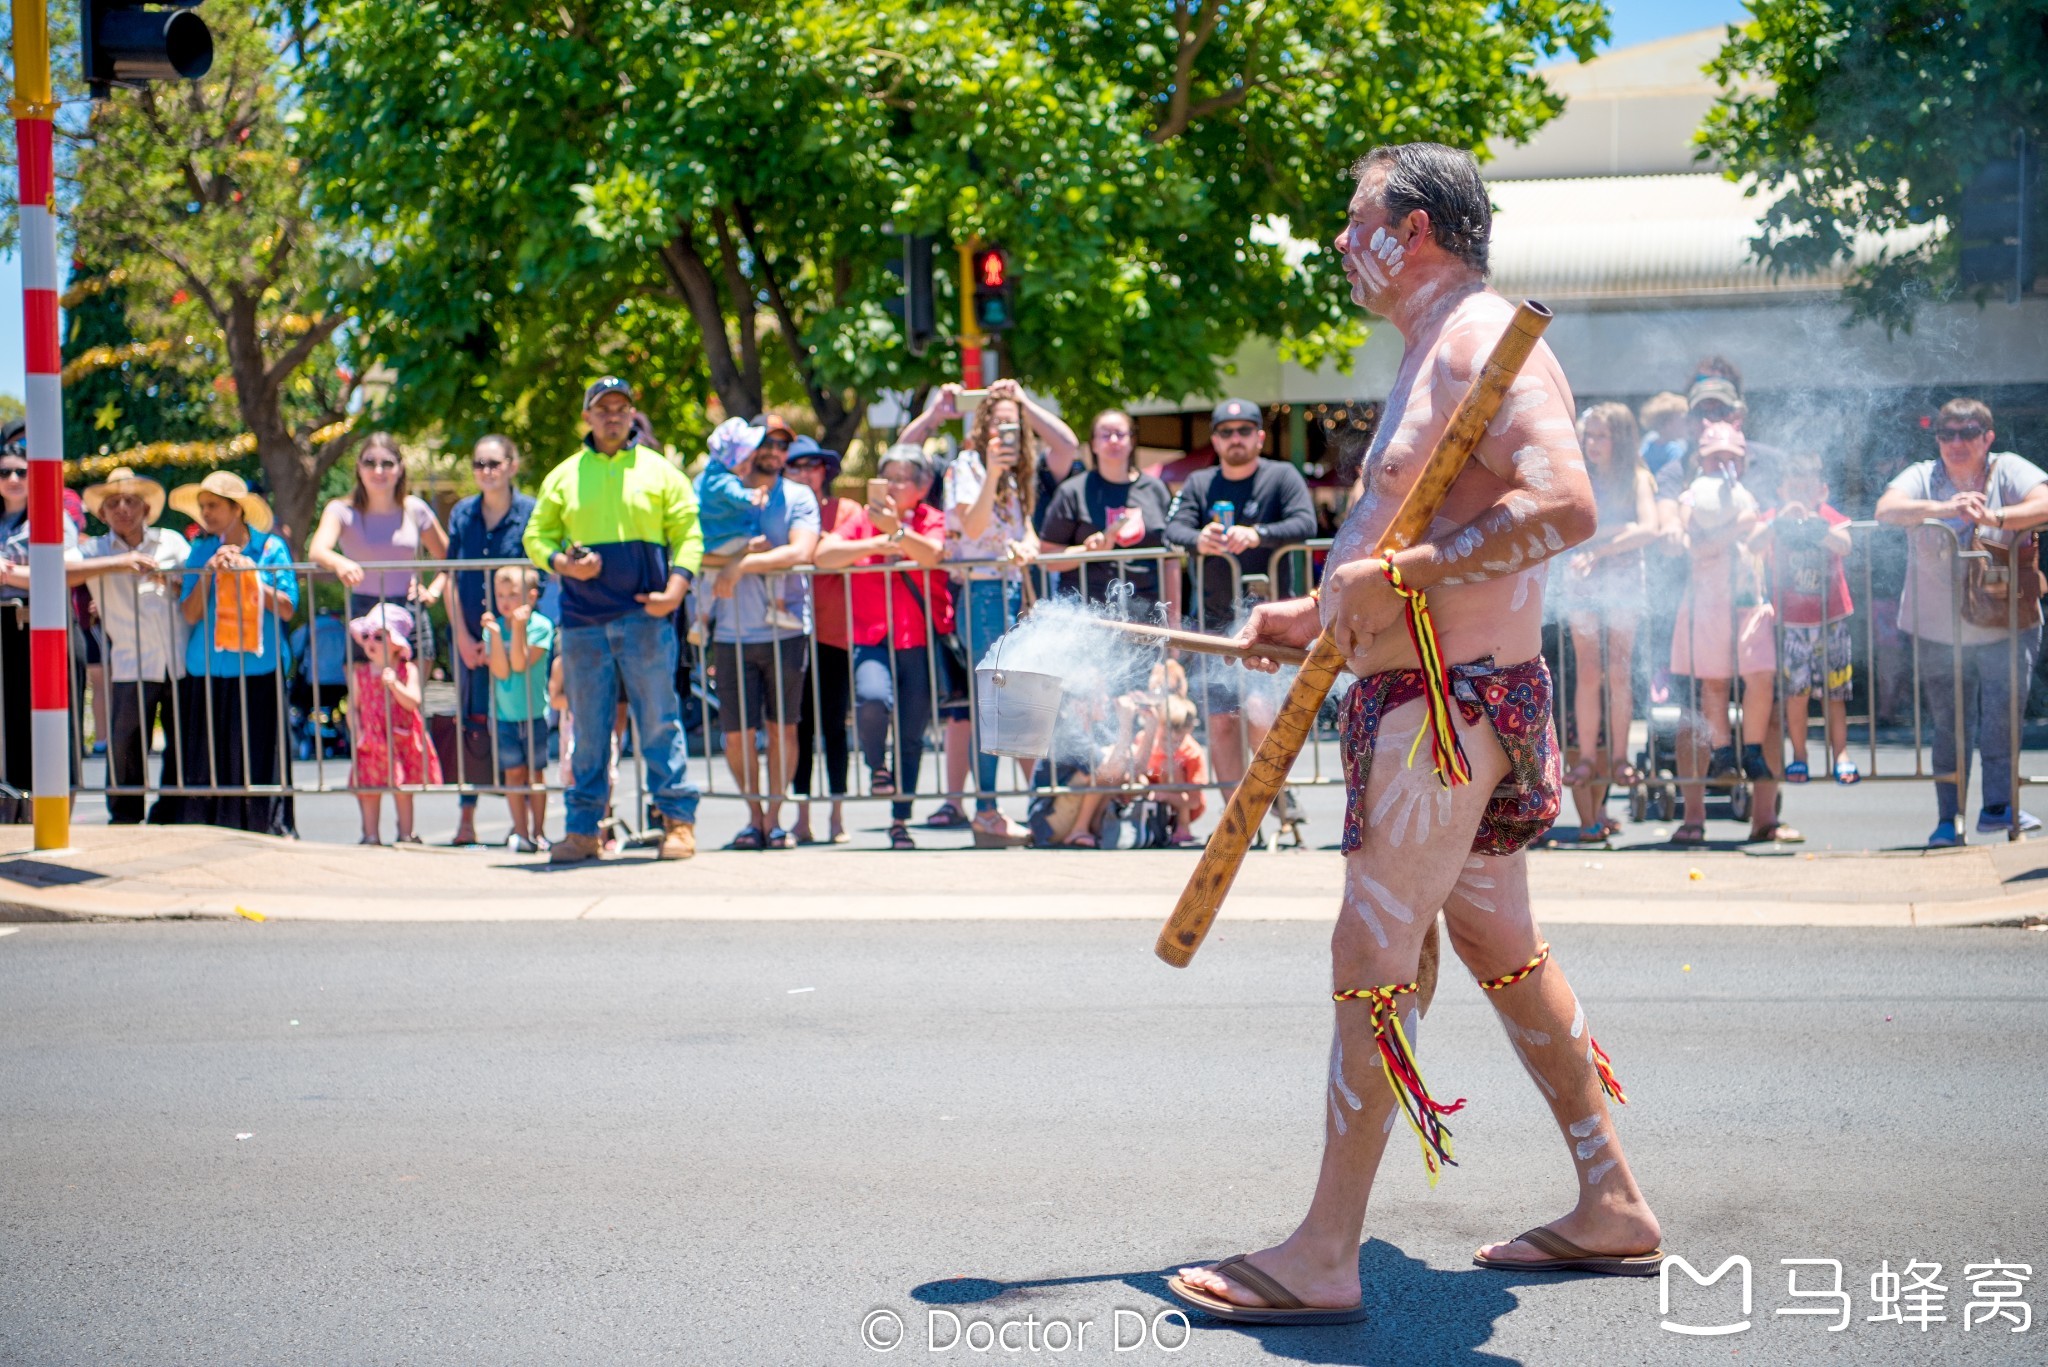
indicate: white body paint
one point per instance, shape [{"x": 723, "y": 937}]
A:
[
  {"x": 1588, "y": 1147},
  {"x": 1369, "y": 897},
  {"x": 1474, "y": 883},
  {"x": 1529, "y": 1067},
  {"x": 1410, "y": 797},
  {"x": 1578, "y": 1018},
  {"x": 1600, "y": 1170},
  {"x": 1582, "y": 1128}
]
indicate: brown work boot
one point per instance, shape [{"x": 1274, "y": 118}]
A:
[
  {"x": 678, "y": 839},
  {"x": 574, "y": 849}
]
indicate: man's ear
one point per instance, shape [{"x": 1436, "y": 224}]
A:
[{"x": 1416, "y": 227}]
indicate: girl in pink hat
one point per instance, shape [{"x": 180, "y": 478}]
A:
[{"x": 384, "y": 714}]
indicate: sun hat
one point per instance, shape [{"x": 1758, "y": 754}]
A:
[
  {"x": 122, "y": 480},
  {"x": 806, "y": 448},
  {"x": 733, "y": 440},
  {"x": 1723, "y": 439},
  {"x": 230, "y": 486},
  {"x": 389, "y": 618}
]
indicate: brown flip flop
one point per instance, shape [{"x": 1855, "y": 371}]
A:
[
  {"x": 1282, "y": 1306},
  {"x": 1566, "y": 1256}
]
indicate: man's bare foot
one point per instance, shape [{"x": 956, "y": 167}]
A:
[
  {"x": 1318, "y": 1281},
  {"x": 1620, "y": 1230}
]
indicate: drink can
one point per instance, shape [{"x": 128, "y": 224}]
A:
[{"x": 1225, "y": 514}]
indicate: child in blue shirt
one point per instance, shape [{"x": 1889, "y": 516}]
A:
[{"x": 727, "y": 510}]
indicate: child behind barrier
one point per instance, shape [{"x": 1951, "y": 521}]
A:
[
  {"x": 384, "y": 713},
  {"x": 1806, "y": 539},
  {"x": 517, "y": 639}
]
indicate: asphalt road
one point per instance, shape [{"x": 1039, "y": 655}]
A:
[{"x": 707, "y": 1143}]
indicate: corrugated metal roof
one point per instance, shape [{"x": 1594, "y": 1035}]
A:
[{"x": 1640, "y": 237}]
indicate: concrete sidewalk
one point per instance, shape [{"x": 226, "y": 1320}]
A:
[{"x": 146, "y": 872}]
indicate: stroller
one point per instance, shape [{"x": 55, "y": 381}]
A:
[{"x": 319, "y": 706}]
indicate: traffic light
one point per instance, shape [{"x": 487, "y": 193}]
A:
[
  {"x": 1999, "y": 225},
  {"x": 125, "y": 43},
  {"x": 916, "y": 307},
  {"x": 994, "y": 297}
]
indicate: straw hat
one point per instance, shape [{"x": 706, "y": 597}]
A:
[
  {"x": 223, "y": 484},
  {"x": 122, "y": 480}
]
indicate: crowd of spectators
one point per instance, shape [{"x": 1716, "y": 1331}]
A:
[{"x": 1714, "y": 589}]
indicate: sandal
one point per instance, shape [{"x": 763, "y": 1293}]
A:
[
  {"x": 1595, "y": 834},
  {"x": 1797, "y": 772},
  {"x": 996, "y": 835},
  {"x": 749, "y": 838},
  {"x": 779, "y": 839},
  {"x": 1080, "y": 840},
  {"x": 1846, "y": 772},
  {"x": 1566, "y": 1256},
  {"x": 1282, "y": 1306},
  {"x": 899, "y": 837},
  {"x": 882, "y": 783},
  {"x": 1691, "y": 833},
  {"x": 1777, "y": 833},
  {"x": 946, "y": 818}
]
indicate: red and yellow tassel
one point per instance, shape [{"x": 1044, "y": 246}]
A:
[
  {"x": 1404, "y": 1076},
  {"x": 1452, "y": 768},
  {"x": 1601, "y": 1064}
]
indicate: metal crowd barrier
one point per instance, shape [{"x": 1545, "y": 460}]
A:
[
  {"x": 1291, "y": 570},
  {"x": 1860, "y": 571}
]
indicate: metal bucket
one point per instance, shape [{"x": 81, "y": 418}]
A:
[{"x": 1015, "y": 710}]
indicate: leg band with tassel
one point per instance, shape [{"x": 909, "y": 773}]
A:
[
  {"x": 1404, "y": 1077},
  {"x": 1601, "y": 1065}
]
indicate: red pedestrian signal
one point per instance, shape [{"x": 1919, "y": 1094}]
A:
[{"x": 994, "y": 309}]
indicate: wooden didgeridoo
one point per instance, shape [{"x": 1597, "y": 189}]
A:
[{"x": 1224, "y": 855}]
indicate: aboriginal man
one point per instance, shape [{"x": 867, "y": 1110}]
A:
[{"x": 1414, "y": 249}]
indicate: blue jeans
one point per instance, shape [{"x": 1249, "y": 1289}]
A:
[
  {"x": 1987, "y": 719},
  {"x": 987, "y": 609},
  {"x": 640, "y": 652},
  {"x": 909, "y": 696}
]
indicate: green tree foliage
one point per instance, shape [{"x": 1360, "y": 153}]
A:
[
  {"x": 195, "y": 189},
  {"x": 696, "y": 194},
  {"x": 1866, "y": 117}
]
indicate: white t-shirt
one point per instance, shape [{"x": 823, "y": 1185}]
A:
[
  {"x": 1927, "y": 605},
  {"x": 964, "y": 478},
  {"x": 145, "y": 631}
]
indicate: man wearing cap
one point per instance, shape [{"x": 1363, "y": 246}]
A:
[
  {"x": 618, "y": 523},
  {"x": 124, "y": 569},
  {"x": 1242, "y": 507}
]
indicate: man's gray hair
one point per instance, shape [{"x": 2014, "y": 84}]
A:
[
  {"x": 911, "y": 454},
  {"x": 1444, "y": 183}
]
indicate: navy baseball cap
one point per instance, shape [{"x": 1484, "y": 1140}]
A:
[
  {"x": 610, "y": 384},
  {"x": 1237, "y": 410}
]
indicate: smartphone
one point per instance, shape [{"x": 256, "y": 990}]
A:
[
  {"x": 578, "y": 551},
  {"x": 1008, "y": 432}
]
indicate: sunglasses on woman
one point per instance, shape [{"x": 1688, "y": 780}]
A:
[
  {"x": 379, "y": 464},
  {"x": 13, "y": 472}
]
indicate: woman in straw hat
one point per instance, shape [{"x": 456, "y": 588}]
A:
[
  {"x": 145, "y": 634},
  {"x": 237, "y": 587},
  {"x": 16, "y": 754}
]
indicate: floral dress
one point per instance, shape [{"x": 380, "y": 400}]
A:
[{"x": 387, "y": 729}]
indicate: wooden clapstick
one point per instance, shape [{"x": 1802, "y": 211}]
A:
[
  {"x": 1211, "y": 880},
  {"x": 1203, "y": 645}
]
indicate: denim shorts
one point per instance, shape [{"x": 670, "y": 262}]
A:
[{"x": 513, "y": 744}]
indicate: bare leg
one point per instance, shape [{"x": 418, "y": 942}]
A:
[
  {"x": 1621, "y": 697},
  {"x": 1795, "y": 726},
  {"x": 522, "y": 823},
  {"x": 372, "y": 806},
  {"x": 781, "y": 769},
  {"x": 746, "y": 772},
  {"x": 959, "y": 761},
  {"x": 1415, "y": 847},
  {"x": 1714, "y": 708},
  {"x": 1493, "y": 932},
  {"x": 1756, "y": 712},
  {"x": 401, "y": 806},
  {"x": 1838, "y": 729}
]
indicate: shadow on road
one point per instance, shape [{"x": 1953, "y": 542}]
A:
[{"x": 1421, "y": 1316}]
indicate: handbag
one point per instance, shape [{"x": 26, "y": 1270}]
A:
[
  {"x": 1989, "y": 584},
  {"x": 950, "y": 656}
]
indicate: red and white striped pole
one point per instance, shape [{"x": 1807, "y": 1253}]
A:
[{"x": 48, "y": 602}]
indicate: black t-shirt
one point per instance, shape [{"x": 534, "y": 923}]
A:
[
  {"x": 1275, "y": 499},
  {"x": 1083, "y": 505}
]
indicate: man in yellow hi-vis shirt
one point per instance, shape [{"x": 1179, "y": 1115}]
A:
[{"x": 618, "y": 523}]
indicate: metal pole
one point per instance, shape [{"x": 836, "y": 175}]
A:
[{"x": 49, "y": 636}]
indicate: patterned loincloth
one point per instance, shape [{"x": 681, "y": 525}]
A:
[{"x": 1516, "y": 700}]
